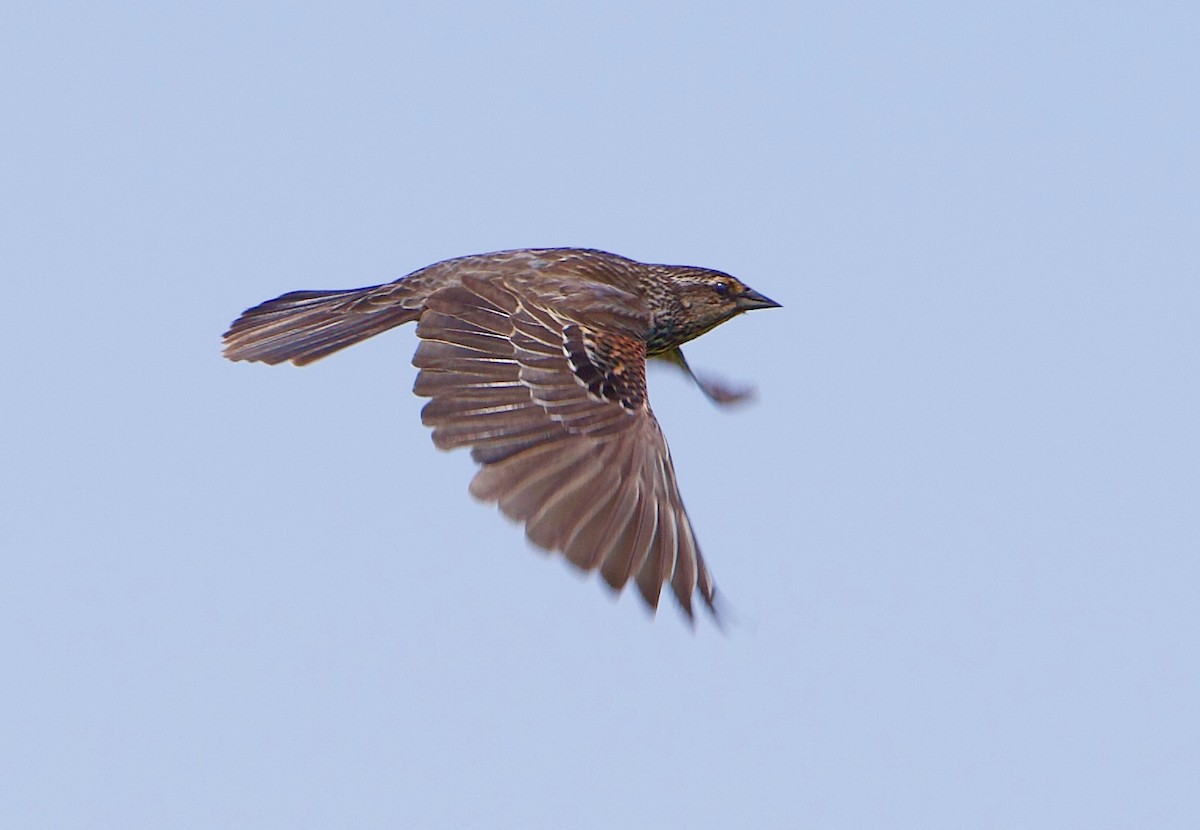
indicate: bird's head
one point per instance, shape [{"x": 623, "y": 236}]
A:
[{"x": 709, "y": 298}]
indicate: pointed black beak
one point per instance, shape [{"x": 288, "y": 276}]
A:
[{"x": 751, "y": 299}]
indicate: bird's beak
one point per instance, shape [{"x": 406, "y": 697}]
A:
[{"x": 751, "y": 299}]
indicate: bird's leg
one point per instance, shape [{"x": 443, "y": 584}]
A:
[{"x": 719, "y": 392}]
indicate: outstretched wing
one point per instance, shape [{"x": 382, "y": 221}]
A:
[{"x": 555, "y": 410}]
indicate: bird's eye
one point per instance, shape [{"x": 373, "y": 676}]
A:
[{"x": 722, "y": 288}]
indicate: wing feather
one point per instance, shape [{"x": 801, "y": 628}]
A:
[{"x": 555, "y": 412}]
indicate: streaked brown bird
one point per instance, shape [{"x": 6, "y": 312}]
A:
[{"x": 536, "y": 359}]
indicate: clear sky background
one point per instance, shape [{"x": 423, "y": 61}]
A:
[{"x": 959, "y": 526}]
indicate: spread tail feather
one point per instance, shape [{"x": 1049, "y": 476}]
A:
[{"x": 304, "y": 326}]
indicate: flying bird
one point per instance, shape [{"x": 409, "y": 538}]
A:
[{"x": 536, "y": 360}]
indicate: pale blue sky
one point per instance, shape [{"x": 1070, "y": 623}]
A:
[{"x": 959, "y": 525}]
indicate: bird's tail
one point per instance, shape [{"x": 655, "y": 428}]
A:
[{"x": 304, "y": 326}]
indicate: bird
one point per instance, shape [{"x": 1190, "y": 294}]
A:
[{"x": 535, "y": 359}]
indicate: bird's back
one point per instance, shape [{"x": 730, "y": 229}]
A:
[{"x": 304, "y": 326}]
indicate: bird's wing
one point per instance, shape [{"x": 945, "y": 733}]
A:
[{"x": 555, "y": 410}]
